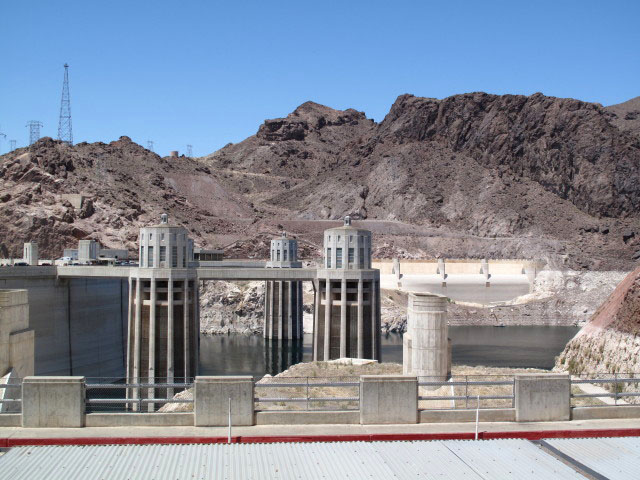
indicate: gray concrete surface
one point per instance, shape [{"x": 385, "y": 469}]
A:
[
  {"x": 457, "y": 416},
  {"x": 211, "y": 401},
  {"x": 542, "y": 397},
  {"x": 139, "y": 419},
  {"x": 307, "y": 418},
  {"x": 387, "y": 399},
  {"x": 53, "y": 402}
]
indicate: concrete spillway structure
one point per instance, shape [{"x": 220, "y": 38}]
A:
[
  {"x": 283, "y": 299},
  {"x": 163, "y": 323},
  {"x": 347, "y": 300},
  {"x": 426, "y": 351}
]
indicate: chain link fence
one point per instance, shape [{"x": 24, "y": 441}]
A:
[
  {"x": 466, "y": 392},
  {"x": 144, "y": 396},
  {"x": 307, "y": 393},
  {"x": 605, "y": 389}
]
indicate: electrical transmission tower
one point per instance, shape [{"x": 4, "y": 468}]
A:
[
  {"x": 34, "y": 130},
  {"x": 2, "y": 135},
  {"x": 13, "y": 145},
  {"x": 189, "y": 151},
  {"x": 64, "y": 124},
  {"x": 150, "y": 145}
]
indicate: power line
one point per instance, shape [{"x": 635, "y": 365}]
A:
[
  {"x": 150, "y": 145},
  {"x": 65, "y": 132},
  {"x": 189, "y": 151},
  {"x": 34, "y": 130}
]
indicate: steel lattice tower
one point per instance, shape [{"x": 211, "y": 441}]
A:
[
  {"x": 34, "y": 130},
  {"x": 150, "y": 145},
  {"x": 189, "y": 151},
  {"x": 13, "y": 145},
  {"x": 2, "y": 135},
  {"x": 65, "y": 132}
]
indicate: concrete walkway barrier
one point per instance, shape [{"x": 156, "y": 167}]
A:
[
  {"x": 388, "y": 399},
  {"x": 543, "y": 397},
  {"x": 53, "y": 402},
  {"x": 211, "y": 401}
]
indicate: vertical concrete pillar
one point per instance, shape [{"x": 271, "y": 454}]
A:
[
  {"x": 265, "y": 317},
  {"x": 343, "y": 318},
  {"x": 213, "y": 395},
  {"x": 281, "y": 309},
  {"x": 130, "y": 328},
  {"x": 185, "y": 323},
  {"x": 272, "y": 330},
  {"x": 543, "y": 397},
  {"x": 196, "y": 329},
  {"x": 290, "y": 308},
  {"x": 152, "y": 342},
  {"x": 138, "y": 327},
  {"x": 317, "y": 298},
  {"x": 360, "y": 319},
  {"x": 374, "y": 320},
  {"x": 327, "y": 321},
  {"x": 170, "y": 333},
  {"x": 427, "y": 336},
  {"x": 388, "y": 399},
  {"x": 53, "y": 402}
]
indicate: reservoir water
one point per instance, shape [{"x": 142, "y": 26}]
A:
[{"x": 526, "y": 346}]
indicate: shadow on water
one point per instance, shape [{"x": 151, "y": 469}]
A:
[{"x": 526, "y": 346}]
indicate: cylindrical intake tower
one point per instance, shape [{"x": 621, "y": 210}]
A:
[
  {"x": 163, "y": 310},
  {"x": 283, "y": 300},
  {"x": 346, "y": 320}
]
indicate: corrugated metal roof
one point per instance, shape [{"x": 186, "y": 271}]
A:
[
  {"x": 617, "y": 458},
  {"x": 490, "y": 459}
]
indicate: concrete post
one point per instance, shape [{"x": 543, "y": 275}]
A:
[
  {"x": 543, "y": 397},
  {"x": 290, "y": 309},
  {"x": 137, "y": 339},
  {"x": 152, "y": 342},
  {"x": 130, "y": 329},
  {"x": 484, "y": 269},
  {"x": 265, "y": 317},
  {"x": 442, "y": 272},
  {"x": 327, "y": 321},
  {"x": 388, "y": 399},
  {"x": 185, "y": 324},
  {"x": 343, "y": 318},
  {"x": 281, "y": 309},
  {"x": 360, "y": 319},
  {"x": 374, "y": 319},
  {"x": 53, "y": 402},
  {"x": 317, "y": 298},
  {"x": 211, "y": 401},
  {"x": 196, "y": 328},
  {"x": 170, "y": 334}
]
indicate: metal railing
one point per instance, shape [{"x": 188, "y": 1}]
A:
[
  {"x": 466, "y": 392},
  {"x": 113, "y": 395},
  {"x": 307, "y": 393},
  {"x": 605, "y": 389},
  {"x": 11, "y": 396}
]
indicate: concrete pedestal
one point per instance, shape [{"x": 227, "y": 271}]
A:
[
  {"x": 53, "y": 402},
  {"x": 211, "y": 401},
  {"x": 388, "y": 399},
  {"x": 543, "y": 397}
]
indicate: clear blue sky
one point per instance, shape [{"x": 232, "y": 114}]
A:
[{"x": 207, "y": 73}]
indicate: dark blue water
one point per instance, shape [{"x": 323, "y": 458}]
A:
[{"x": 533, "y": 347}]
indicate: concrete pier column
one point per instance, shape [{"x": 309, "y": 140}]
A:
[
  {"x": 272, "y": 302},
  {"x": 375, "y": 335},
  {"x": 317, "y": 298},
  {"x": 265, "y": 317},
  {"x": 427, "y": 345},
  {"x": 170, "y": 333},
  {"x": 152, "y": 341},
  {"x": 360, "y": 319},
  {"x": 196, "y": 329},
  {"x": 281, "y": 309},
  {"x": 290, "y": 307},
  {"x": 185, "y": 309},
  {"x": 327, "y": 321},
  {"x": 484, "y": 269},
  {"x": 343, "y": 318},
  {"x": 137, "y": 337},
  {"x": 130, "y": 328}
]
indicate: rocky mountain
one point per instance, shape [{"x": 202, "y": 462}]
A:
[
  {"x": 610, "y": 342},
  {"x": 472, "y": 175},
  {"x": 626, "y": 115}
]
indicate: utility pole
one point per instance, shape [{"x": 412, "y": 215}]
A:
[
  {"x": 150, "y": 145},
  {"x": 189, "y": 151},
  {"x": 13, "y": 145},
  {"x": 2, "y": 135},
  {"x": 65, "y": 132},
  {"x": 34, "y": 131}
]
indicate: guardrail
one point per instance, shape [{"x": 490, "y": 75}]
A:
[
  {"x": 307, "y": 393},
  {"x": 466, "y": 392},
  {"x": 143, "y": 396},
  {"x": 11, "y": 396},
  {"x": 601, "y": 390}
]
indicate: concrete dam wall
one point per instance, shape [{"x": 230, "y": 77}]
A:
[{"x": 80, "y": 324}]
